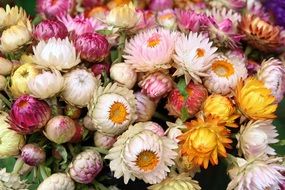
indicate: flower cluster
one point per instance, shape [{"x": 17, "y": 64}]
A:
[{"x": 152, "y": 90}]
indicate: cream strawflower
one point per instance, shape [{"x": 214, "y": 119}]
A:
[
  {"x": 141, "y": 153},
  {"x": 145, "y": 107},
  {"x": 79, "y": 87},
  {"x": 150, "y": 50},
  {"x": 123, "y": 16},
  {"x": 256, "y": 174},
  {"x": 46, "y": 84},
  {"x": 123, "y": 74},
  {"x": 272, "y": 73},
  {"x": 16, "y": 36},
  {"x": 12, "y": 15},
  {"x": 56, "y": 54},
  {"x": 112, "y": 109},
  {"x": 175, "y": 129},
  {"x": 10, "y": 141},
  {"x": 193, "y": 54},
  {"x": 177, "y": 182},
  {"x": 3, "y": 82},
  {"x": 57, "y": 181},
  {"x": 254, "y": 138},
  {"x": 224, "y": 73}
]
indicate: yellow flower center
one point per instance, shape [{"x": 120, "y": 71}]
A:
[
  {"x": 118, "y": 113},
  {"x": 203, "y": 140},
  {"x": 223, "y": 68},
  {"x": 167, "y": 16},
  {"x": 153, "y": 41},
  {"x": 200, "y": 52},
  {"x": 147, "y": 160}
]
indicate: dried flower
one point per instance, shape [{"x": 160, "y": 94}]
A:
[
  {"x": 32, "y": 154},
  {"x": 57, "y": 181},
  {"x": 123, "y": 74}
]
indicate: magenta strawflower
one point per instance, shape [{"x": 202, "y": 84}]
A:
[
  {"x": 99, "y": 68},
  {"x": 91, "y": 3},
  {"x": 156, "y": 85},
  {"x": 29, "y": 114},
  {"x": 54, "y": 8},
  {"x": 159, "y": 5},
  {"x": 48, "y": 29},
  {"x": 189, "y": 20},
  {"x": 92, "y": 46},
  {"x": 33, "y": 155},
  {"x": 80, "y": 24}
]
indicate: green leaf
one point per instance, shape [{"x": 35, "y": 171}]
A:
[
  {"x": 182, "y": 87},
  {"x": 63, "y": 153},
  {"x": 114, "y": 55},
  {"x": 99, "y": 186}
]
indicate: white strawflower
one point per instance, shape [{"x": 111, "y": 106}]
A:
[
  {"x": 123, "y": 74},
  {"x": 112, "y": 109},
  {"x": 141, "y": 153},
  {"x": 15, "y": 37},
  {"x": 79, "y": 87},
  {"x": 254, "y": 138},
  {"x": 46, "y": 84},
  {"x": 256, "y": 174},
  {"x": 224, "y": 73},
  {"x": 175, "y": 129},
  {"x": 272, "y": 73},
  {"x": 57, "y": 54},
  {"x": 193, "y": 54}
]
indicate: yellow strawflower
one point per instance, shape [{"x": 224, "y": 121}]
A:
[
  {"x": 221, "y": 107},
  {"x": 204, "y": 141},
  {"x": 254, "y": 100}
]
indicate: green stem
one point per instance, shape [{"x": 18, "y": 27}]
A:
[
  {"x": 121, "y": 47},
  {"x": 18, "y": 166},
  {"x": 247, "y": 51},
  {"x": 71, "y": 149},
  {"x": 5, "y": 100},
  {"x": 43, "y": 172},
  {"x": 54, "y": 106}
]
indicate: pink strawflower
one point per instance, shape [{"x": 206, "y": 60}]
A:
[
  {"x": 29, "y": 114},
  {"x": 146, "y": 20},
  {"x": 54, "y": 8},
  {"x": 145, "y": 107},
  {"x": 159, "y": 5},
  {"x": 48, "y": 29},
  {"x": 32, "y": 154},
  {"x": 80, "y": 25},
  {"x": 99, "y": 68},
  {"x": 92, "y": 46},
  {"x": 156, "y": 85},
  {"x": 188, "y": 20},
  {"x": 167, "y": 19}
]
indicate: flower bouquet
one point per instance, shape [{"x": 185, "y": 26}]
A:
[{"x": 143, "y": 94}]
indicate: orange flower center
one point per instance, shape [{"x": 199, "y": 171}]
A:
[
  {"x": 223, "y": 68},
  {"x": 147, "y": 160},
  {"x": 122, "y": 2},
  {"x": 200, "y": 52},
  {"x": 154, "y": 40},
  {"x": 167, "y": 16},
  {"x": 118, "y": 113}
]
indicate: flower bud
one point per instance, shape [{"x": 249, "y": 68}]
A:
[
  {"x": 50, "y": 28},
  {"x": 52, "y": 8},
  {"x": 123, "y": 74},
  {"x": 2, "y": 82},
  {"x": 57, "y": 181},
  {"x": 11, "y": 141},
  {"x": 103, "y": 141},
  {"x": 29, "y": 114},
  {"x": 88, "y": 124},
  {"x": 92, "y": 46},
  {"x": 145, "y": 107},
  {"x": 60, "y": 129},
  {"x": 15, "y": 37},
  {"x": 159, "y": 5},
  {"x": 156, "y": 85},
  {"x": 33, "y": 155},
  {"x": 6, "y": 66},
  {"x": 78, "y": 133},
  {"x": 167, "y": 19},
  {"x": 72, "y": 111},
  {"x": 123, "y": 16},
  {"x": 86, "y": 166},
  {"x": 21, "y": 77},
  {"x": 99, "y": 68}
]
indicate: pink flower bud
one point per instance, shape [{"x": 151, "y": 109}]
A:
[
  {"x": 33, "y": 155},
  {"x": 99, "y": 68},
  {"x": 145, "y": 107},
  {"x": 54, "y": 8},
  {"x": 103, "y": 141},
  {"x": 48, "y": 29},
  {"x": 159, "y": 5},
  {"x": 78, "y": 133},
  {"x": 60, "y": 129},
  {"x": 156, "y": 85},
  {"x": 92, "y": 46},
  {"x": 29, "y": 114}
]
